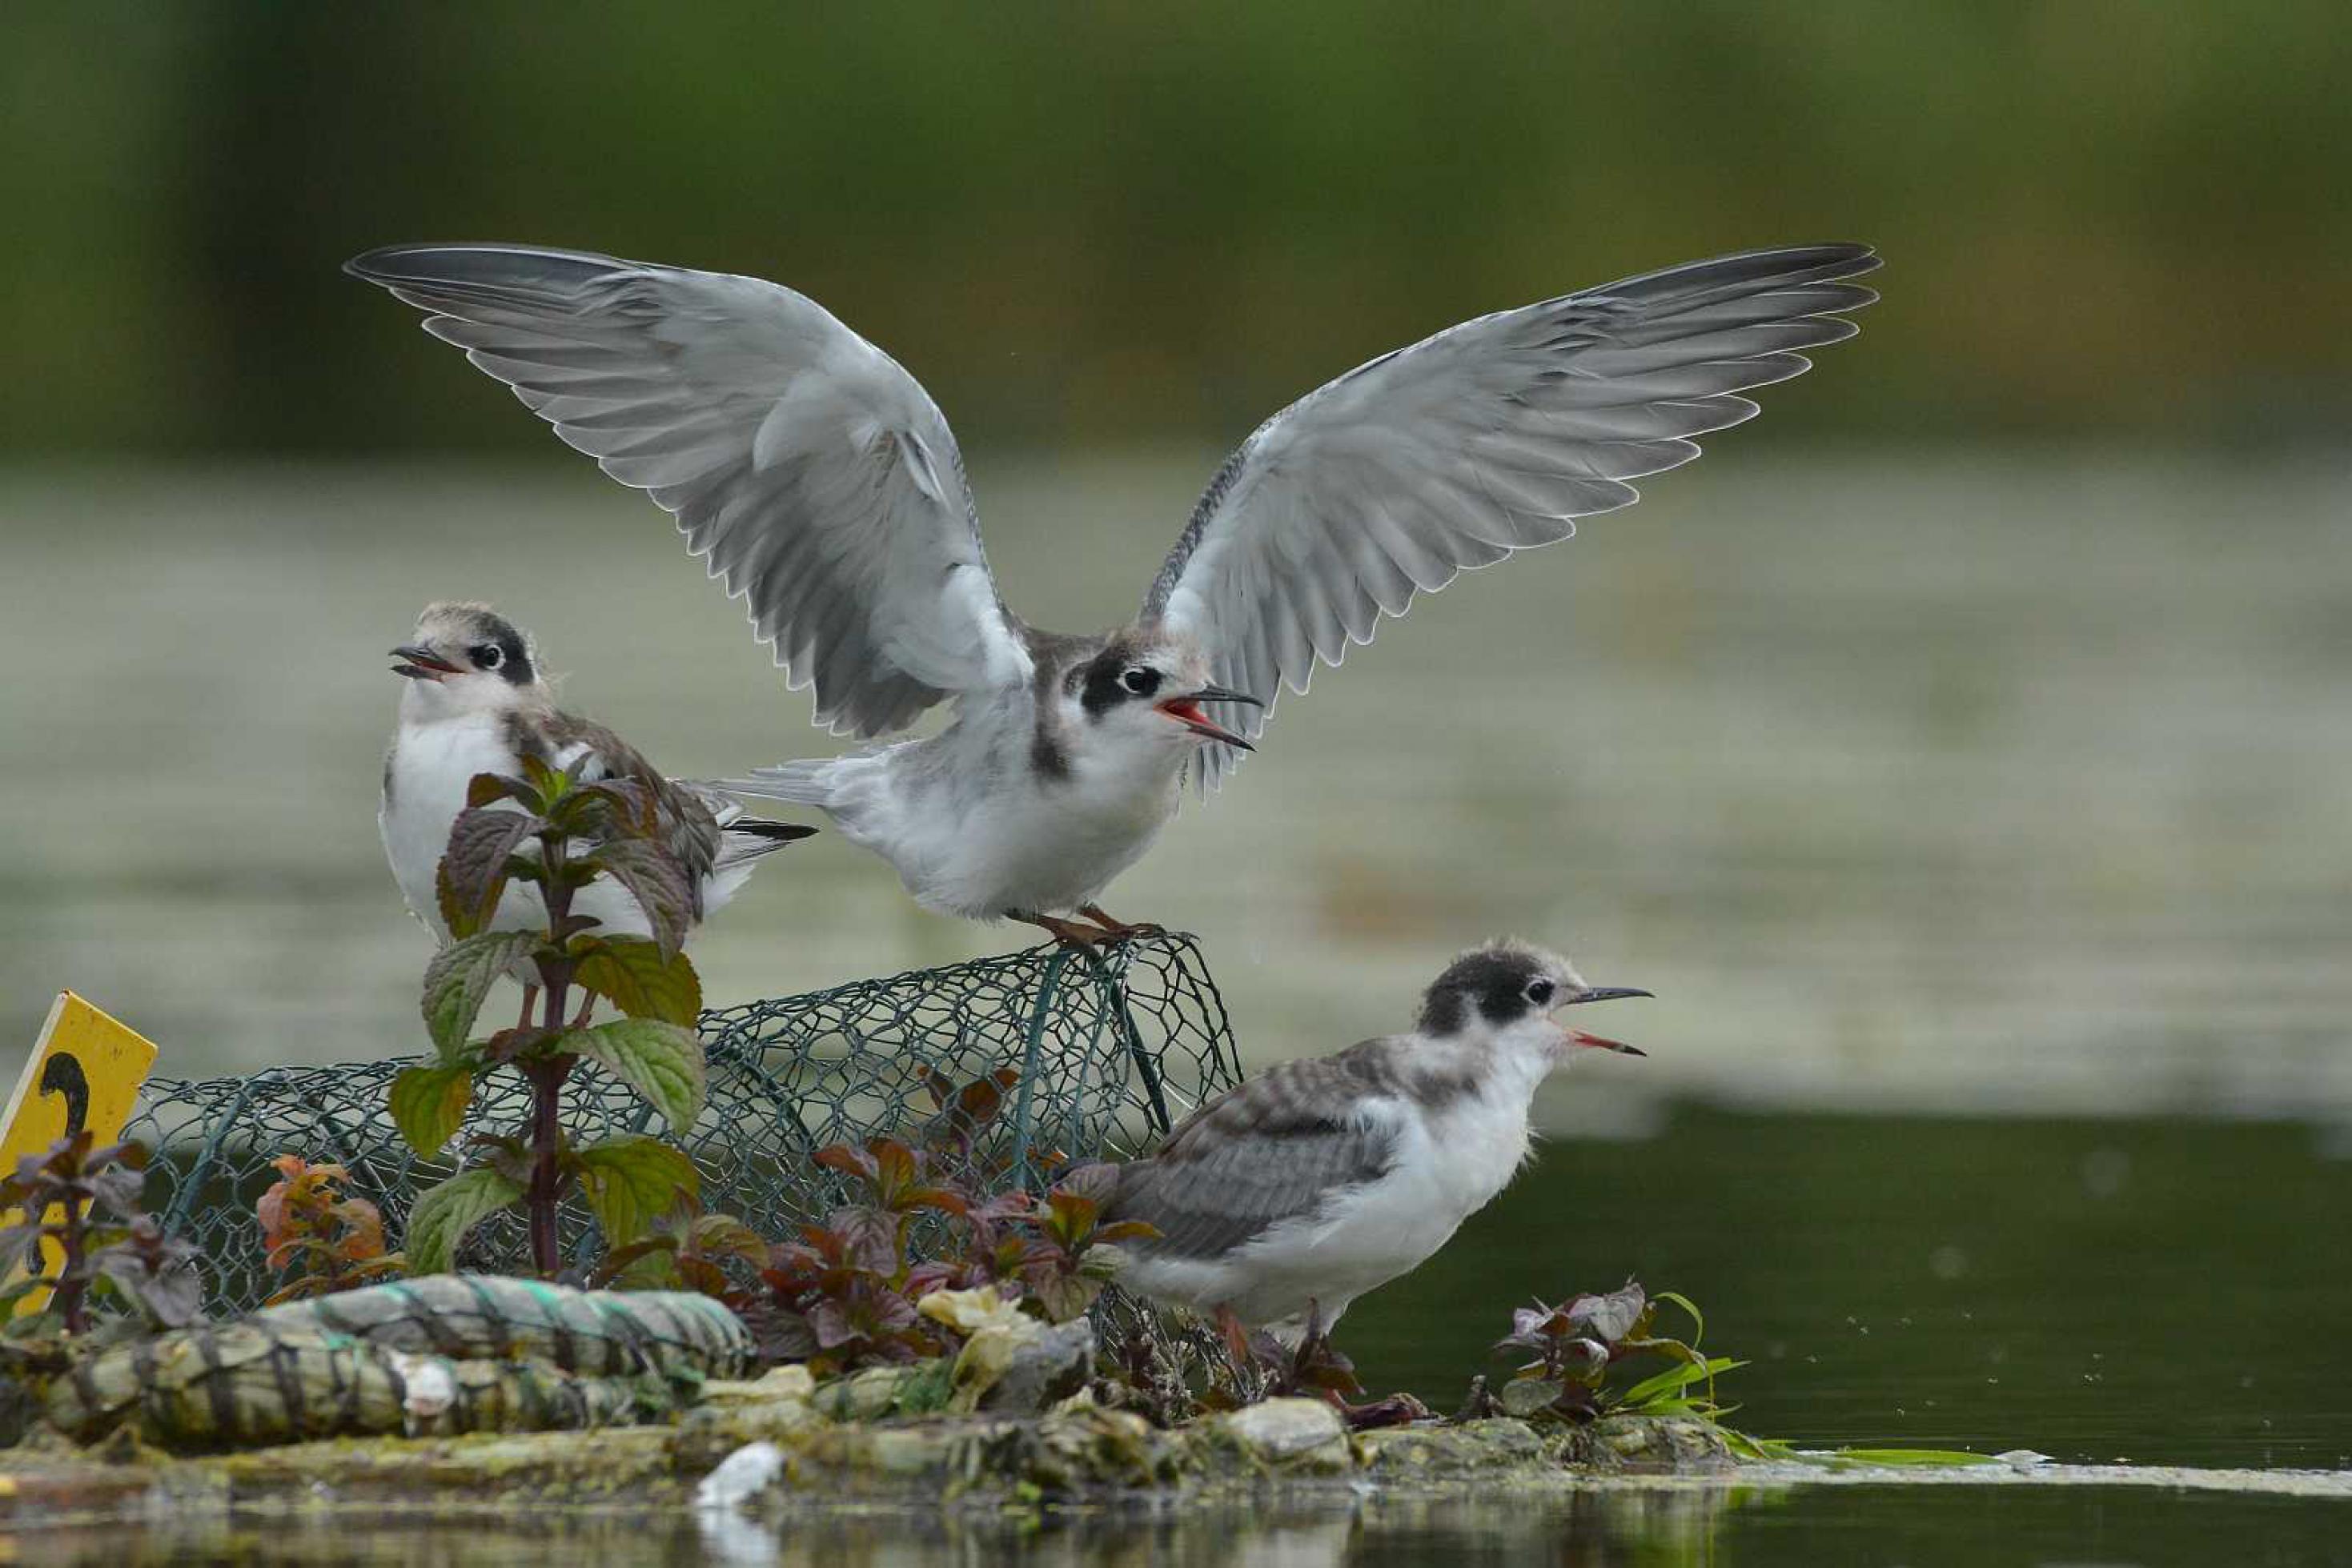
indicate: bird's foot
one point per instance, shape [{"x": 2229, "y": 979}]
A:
[
  {"x": 1117, "y": 930},
  {"x": 1069, "y": 932},
  {"x": 529, "y": 1006}
]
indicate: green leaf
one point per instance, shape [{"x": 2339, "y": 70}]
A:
[
  {"x": 428, "y": 1104},
  {"x": 1676, "y": 1377},
  {"x": 552, "y": 784},
  {"x": 1920, "y": 1457},
  {"x": 662, "y": 1061},
  {"x": 641, "y": 980},
  {"x": 609, "y": 807},
  {"x": 655, "y": 879},
  {"x": 1697, "y": 1318},
  {"x": 444, "y": 1216},
  {"x": 460, "y": 976},
  {"x": 474, "y": 868},
  {"x": 629, "y": 1183}
]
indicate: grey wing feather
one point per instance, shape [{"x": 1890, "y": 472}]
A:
[
  {"x": 1276, "y": 1148},
  {"x": 705, "y": 828},
  {"x": 812, "y": 473},
  {"x": 1490, "y": 437}
]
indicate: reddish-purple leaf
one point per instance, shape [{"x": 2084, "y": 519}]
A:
[{"x": 475, "y": 866}]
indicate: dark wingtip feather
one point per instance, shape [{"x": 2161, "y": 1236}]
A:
[{"x": 777, "y": 835}]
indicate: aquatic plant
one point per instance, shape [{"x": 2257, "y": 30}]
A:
[
  {"x": 107, "y": 1245},
  {"x": 1577, "y": 1344},
  {"x": 328, "y": 1240},
  {"x": 560, "y": 833}
]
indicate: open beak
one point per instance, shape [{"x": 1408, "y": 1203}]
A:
[
  {"x": 421, "y": 664},
  {"x": 1602, "y": 994},
  {"x": 1186, "y": 710}
]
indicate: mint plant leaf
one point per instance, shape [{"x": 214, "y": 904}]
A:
[
  {"x": 630, "y": 1183},
  {"x": 461, "y": 975},
  {"x": 641, "y": 980},
  {"x": 485, "y": 787},
  {"x": 428, "y": 1104},
  {"x": 654, "y": 878},
  {"x": 444, "y": 1216},
  {"x": 662, "y": 1061},
  {"x": 474, "y": 868}
]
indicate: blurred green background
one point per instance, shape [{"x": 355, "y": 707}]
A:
[{"x": 1145, "y": 223}]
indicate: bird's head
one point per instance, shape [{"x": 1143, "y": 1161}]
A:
[
  {"x": 1506, "y": 992},
  {"x": 466, "y": 658},
  {"x": 1150, "y": 689}
]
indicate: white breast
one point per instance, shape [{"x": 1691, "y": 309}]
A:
[
  {"x": 973, "y": 832},
  {"x": 1449, "y": 1164},
  {"x": 425, "y": 789},
  {"x": 426, "y": 778}
]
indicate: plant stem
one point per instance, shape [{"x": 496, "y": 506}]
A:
[
  {"x": 548, "y": 1072},
  {"x": 70, "y": 1284},
  {"x": 547, "y": 1075}
]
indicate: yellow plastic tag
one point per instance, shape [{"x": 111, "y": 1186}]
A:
[{"x": 85, "y": 1073}]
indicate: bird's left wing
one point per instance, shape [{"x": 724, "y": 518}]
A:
[
  {"x": 1275, "y": 1149},
  {"x": 816, "y": 476},
  {"x": 1490, "y": 437}
]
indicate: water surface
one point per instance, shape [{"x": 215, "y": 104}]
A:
[{"x": 1994, "y": 780}]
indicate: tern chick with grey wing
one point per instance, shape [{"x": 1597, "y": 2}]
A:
[
  {"x": 477, "y": 701},
  {"x": 1327, "y": 1176},
  {"x": 823, "y": 488}
]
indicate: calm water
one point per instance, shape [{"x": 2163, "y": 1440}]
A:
[
  {"x": 2000, "y": 799},
  {"x": 2005, "y": 781},
  {"x": 1754, "y": 1527}
]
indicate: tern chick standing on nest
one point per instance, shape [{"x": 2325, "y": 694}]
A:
[
  {"x": 477, "y": 701},
  {"x": 1327, "y": 1176},
  {"x": 823, "y": 488}
]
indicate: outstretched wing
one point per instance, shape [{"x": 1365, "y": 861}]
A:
[
  {"x": 816, "y": 476},
  {"x": 1276, "y": 1148},
  {"x": 1490, "y": 437}
]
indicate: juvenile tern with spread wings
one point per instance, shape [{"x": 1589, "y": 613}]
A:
[{"x": 822, "y": 486}]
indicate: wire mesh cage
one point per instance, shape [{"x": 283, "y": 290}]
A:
[{"x": 1097, "y": 1053}]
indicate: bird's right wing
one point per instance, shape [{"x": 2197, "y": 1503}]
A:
[
  {"x": 1275, "y": 1149},
  {"x": 812, "y": 472},
  {"x": 1490, "y": 437}
]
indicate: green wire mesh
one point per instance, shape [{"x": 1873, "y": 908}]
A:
[{"x": 1111, "y": 1049}]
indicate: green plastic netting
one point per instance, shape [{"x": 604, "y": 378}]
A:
[{"x": 1112, "y": 1047}]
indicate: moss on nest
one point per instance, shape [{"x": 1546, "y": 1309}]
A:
[{"x": 852, "y": 1442}]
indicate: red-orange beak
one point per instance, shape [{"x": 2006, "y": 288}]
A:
[
  {"x": 1186, "y": 710},
  {"x": 1602, "y": 994}
]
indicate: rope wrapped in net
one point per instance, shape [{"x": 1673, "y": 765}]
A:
[
  {"x": 1102, "y": 1051},
  {"x": 451, "y": 1354}
]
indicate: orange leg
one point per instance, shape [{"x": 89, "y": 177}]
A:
[
  {"x": 1069, "y": 932},
  {"x": 1117, "y": 930}
]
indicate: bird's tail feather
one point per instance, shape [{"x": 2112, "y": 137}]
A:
[{"x": 803, "y": 783}]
